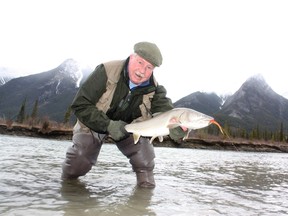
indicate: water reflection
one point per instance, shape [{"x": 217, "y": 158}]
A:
[{"x": 84, "y": 200}]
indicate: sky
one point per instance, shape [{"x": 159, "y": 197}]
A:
[{"x": 207, "y": 45}]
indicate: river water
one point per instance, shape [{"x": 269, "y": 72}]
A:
[{"x": 189, "y": 182}]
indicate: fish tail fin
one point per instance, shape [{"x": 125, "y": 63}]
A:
[
  {"x": 216, "y": 123},
  {"x": 221, "y": 129}
]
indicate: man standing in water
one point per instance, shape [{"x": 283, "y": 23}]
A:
[{"x": 117, "y": 93}]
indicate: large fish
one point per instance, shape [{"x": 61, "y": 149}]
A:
[{"x": 159, "y": 125}]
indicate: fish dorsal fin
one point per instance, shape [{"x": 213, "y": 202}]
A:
[{"x": 136, "y": 138}]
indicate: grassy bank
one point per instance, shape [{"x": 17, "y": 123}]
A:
[{"x": 61, "y": 132}]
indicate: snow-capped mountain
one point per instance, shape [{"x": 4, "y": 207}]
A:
[
  {"x": 54, "y": 90},
  {"x": 255, "y": 103},
  {"x": 4, "y": 80},
  {"x": 285, "y": 94},
  {"x": 6, "y": 74},
  {"x": 73, "y": 69}
]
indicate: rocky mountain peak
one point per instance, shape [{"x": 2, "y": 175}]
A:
[
  {"x": 254, "y": 88},
  {"x": 256, "y": 82},
  {"x": 4, "y": 80},
  {"x": 71, "y": 68},
  {"x": 207, "y": 103},
  {"x": 255, "y": 103},
  {"x": 5, "y": 75}
]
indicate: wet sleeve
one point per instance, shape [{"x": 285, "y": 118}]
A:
[{"x": 86, "y": 98}]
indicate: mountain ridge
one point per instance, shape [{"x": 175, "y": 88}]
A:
[{"x": 255, "y": 103}]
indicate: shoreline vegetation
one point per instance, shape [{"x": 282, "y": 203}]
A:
[{"x": 211, "y": 142}]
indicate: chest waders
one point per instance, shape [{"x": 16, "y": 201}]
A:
[{"x": 83, "y": 154}]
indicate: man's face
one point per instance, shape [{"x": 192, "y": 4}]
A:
[{"x": 139, "y": 69}]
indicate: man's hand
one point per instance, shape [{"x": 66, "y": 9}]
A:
[
  {"x": 177, "y": 133},
  {"x": 117, "y": 131}
]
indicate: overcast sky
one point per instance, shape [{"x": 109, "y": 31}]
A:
[{"x": 207, "y": 45}]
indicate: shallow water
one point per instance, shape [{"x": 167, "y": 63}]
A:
[{"x": 189, "y": 182}]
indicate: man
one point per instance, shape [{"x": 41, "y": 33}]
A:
[{"x": 117, "y": 93}]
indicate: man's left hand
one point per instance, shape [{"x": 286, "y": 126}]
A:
[{"x": 177, "y": 134}]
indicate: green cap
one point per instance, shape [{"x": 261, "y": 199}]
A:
[{"x": 150, "y": 52}]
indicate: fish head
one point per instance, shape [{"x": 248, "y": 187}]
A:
[{"x": 193, "y": 120}]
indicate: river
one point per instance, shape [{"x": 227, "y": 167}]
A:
[{"x": 189, "y": 182}]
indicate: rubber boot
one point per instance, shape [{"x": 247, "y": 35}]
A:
[
  {"x": 81, "y": 156},
  {"x": 145, "y": 179},
  {"x": 141, "y": 158}
]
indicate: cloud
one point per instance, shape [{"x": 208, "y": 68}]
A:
[{"x": 207, "y": 45}]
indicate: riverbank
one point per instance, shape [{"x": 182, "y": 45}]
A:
[{"x": 194, "y": 143}]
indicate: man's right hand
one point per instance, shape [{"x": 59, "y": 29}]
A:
[{"x": 117, "y": 131}]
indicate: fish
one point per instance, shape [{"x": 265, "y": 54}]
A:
[{"x": 160, "y": 124}]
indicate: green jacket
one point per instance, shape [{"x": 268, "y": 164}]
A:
[{"x": 125, "y": 102}]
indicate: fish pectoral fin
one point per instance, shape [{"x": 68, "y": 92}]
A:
[
  {"x": 187, "y": 134},
  {"x": 136, "y": 138},
  {"x": 152, "y": 138},
  {"x": 173, "y": 125},
  {"x": 173, "y": 122}
]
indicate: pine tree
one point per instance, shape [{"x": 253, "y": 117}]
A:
[
  {"x": 21, "y": 114},
  {"x": 35, "y": 110},
  {"x": 67, "y": 115},
  {"x": 281, "y": 135}
]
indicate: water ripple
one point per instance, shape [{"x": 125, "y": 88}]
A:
[{"x": 189, "y": 182}]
